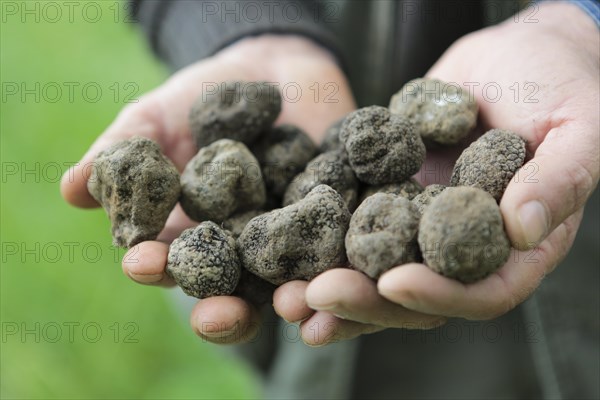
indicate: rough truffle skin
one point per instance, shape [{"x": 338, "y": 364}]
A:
[
  {"x": 423, "y": 199},
  {"x": 383, "y": 234},
  {"x": 137, "y": 186},
  {"x": 283, "y": 152},
  {"x": 490, "y": 162},
  {"x": 331, "y": 169},
  {"x": 222, "y": 179},
  {"x": 461, "y": 234},
  {"x": 442, "y": 113},
  {"x": 331, "y": 141},
  {"x": 299, "y": 241},
  {"x": 236, "y": 110},
  {"x": 203, "y": 261},
  {"x": 382, "y": 147},
  {"x": 407, "y": 189}
]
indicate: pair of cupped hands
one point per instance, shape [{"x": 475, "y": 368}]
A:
[{"x": 541, "y": 213}]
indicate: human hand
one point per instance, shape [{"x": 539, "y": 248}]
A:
[
  {"x": 542, "y": 209},
  {"x": 162, "y": 115}
]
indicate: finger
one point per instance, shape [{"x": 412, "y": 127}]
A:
[
  {"x": 325, "y": 328},
  {"x": 551, "y": 186},
  {"x": 225, "y": 320},
  {"x": 361, "y": 302},
  {"x": 140, "y": 119},
  {"x": 418, "y": 288},
  {"x": 145, "y": 263},
  {"x": 289, "y": 301},
  {"x": 177, "y": 222}
]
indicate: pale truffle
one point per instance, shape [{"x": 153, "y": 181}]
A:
[
  {"x": 383, "y": 234},
  {"x": 222, "y": 179},
  {"x": 461, "y": 234},
  {"x": 442, "y": 113}
]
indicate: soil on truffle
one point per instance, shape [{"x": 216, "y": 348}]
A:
[
  {"x": 383, "y": 234},
  {"x": 137, "y": 186},
  {"x": 461, "y": 234}
]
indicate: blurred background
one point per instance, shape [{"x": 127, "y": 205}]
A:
[{"x": 72, "y": 325}]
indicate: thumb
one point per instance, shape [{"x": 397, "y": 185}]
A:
[{"x": 552, "y": 186}]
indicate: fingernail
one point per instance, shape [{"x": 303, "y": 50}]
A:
[
  {"x": 218, "y": 334},
  {"x": 146, "y": 278},
  {"x": 534, "y": 222},
  {"x": 322, "y": 307}
]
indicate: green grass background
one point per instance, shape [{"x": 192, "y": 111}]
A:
[{"x": 51, "y": 287}]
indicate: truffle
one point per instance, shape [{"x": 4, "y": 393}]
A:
[
  {"x": 442, "y": 113},
  {"x": 251, "y": 287},
  {"x": 283, "y": 152},
  {"x": 382, "y": 147},
  {"x": 331, "y": 141},
  {"x": 330, "y": 169},
  {"x": 383, "y": 234},
  {"x": 461, "y": 234},
  {"x": 137, "y": 186},
  {"x": 490, "y": 162},
  {"x": 407, "y": 189},
  {"x": 222, "y": 179},
  {"x": 203, "y": 261},
  {"x": 423, "y": 199},
  {"x": 234, "y": 110},
  {"x": 299, "y": 241}
]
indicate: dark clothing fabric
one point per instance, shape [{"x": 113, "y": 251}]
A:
[{"x": 546, "y": 348}]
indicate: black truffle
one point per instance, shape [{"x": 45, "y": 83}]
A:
[
  {"x": 490, "y": 162},
  {"x": 382, "y": 147},
  {"x": 203, "y": 261},
  {"x": 235, "y": 110},
  {"x": 283, "y": 152},
  {"x": 329, "y": 169},
  {"x": 407, "y": 189}
]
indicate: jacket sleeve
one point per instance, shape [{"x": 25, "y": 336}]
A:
[{"x": 184, "y": 31}]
